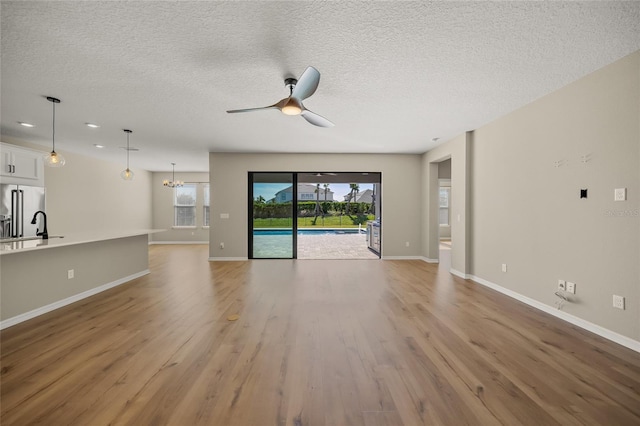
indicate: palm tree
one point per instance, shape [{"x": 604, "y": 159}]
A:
[
  {"x": 372, "y": 209},
  {"x": 326, "y": 188},
  {"x": 317, "y": 191},
  {"x": 352, "y": 195}
]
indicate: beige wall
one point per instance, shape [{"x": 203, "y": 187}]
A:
[
  {"x": 527, "y": 211},
  {"x": 88, "y": 194},
  {"x": 526, "y": 171},
  {"x": 400, "y": 195},
  {"x": 163, "y": 214}
]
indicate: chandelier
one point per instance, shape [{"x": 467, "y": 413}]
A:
[{"x": 173, "y": 183}]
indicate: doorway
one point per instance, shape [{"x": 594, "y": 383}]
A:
[
  {"x": 444, "y": 213},
  {"x": 315, "y": 215}
]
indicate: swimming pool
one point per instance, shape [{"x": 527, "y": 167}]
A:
[{"x": 323, "y": 231}]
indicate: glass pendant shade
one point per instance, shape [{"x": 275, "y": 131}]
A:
[
  {"x": 127, "y": 174},
  {"x": 53, "y": 159}
]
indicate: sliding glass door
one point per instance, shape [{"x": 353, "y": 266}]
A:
[{"x": 272, "y": 225}]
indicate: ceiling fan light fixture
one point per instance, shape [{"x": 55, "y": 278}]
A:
[
  {"x": 53, "y": 159},
  {"x": 292, "y": 107}
]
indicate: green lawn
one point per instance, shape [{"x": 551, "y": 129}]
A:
[{"x": 311, "y": 222}]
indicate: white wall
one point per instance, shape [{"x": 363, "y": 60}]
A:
[
  {"x": 400, "y": 195},
  {"x": 88, "y": 194},
  {"x": 163, "y": 212}
]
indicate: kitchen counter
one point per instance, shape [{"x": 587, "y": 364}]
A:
[
  {"x": 33, "y": 281},
  {"x": 69, "y": 240}
]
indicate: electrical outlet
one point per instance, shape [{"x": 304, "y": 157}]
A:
[
  {"x": 504, "y": 267},
  {"x": 618, "y": 302},
  {"x": 562, "y": 285},
  {"x": 571, "y": 287},
  {"x": 221, "y": 246},
  {"x": 407, "y": 244},
  {"x": 70, "y": 273}
]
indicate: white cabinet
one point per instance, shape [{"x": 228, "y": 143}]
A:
[{"x": 21, "y": 165}]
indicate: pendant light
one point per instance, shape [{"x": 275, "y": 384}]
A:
[
  {"x": 173, "y": 183},
  {"x": 53, "y": 159},
  {"x": 127, "y": 174}
]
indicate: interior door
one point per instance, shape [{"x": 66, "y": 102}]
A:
[{"x": 272, "y": 224}]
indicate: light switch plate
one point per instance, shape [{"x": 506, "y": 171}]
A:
[
  {"x": 224, "y": 215},
  {"x": 620, "y": 194}
]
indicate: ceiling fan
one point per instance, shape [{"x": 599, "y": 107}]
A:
[{"x": 299, "y": 90}]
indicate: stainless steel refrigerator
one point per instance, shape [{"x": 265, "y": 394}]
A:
[{"x": 18, "y": 204}]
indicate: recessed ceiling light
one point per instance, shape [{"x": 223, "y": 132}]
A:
[
  {"x": 93, "y": 126},
  {"x": 98, "y": 145},
  {"x": 22, "y": 123},
  {"x": 435, "y": 139}
]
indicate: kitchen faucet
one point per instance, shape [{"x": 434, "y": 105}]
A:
[{"x": 44, "y": 233}]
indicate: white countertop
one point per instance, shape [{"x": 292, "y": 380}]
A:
[{"x": 71, "y": 239}]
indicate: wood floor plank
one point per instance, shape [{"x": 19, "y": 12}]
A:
[{"x": 316, "y": 342}]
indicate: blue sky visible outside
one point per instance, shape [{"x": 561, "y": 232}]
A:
[{"x": 268, "y": 190}]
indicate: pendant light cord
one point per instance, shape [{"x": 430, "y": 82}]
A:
[
  {"x": 127, "y": 150},
  {"x": 53, "y": 139}
]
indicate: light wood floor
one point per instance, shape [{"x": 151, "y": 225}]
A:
[{"x": 318, "y": 342}]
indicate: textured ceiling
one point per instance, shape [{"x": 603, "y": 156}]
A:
[{"x": 395, "y": 75}]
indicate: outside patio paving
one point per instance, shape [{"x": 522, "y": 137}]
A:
[
  {"x": 323, "y": 246},
  {"x": 338, "y": 246}
]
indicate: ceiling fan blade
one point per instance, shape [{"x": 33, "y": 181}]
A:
[
  {"x": 316, "y": 119},
  {"x": 233, "y": 111},
  {"x": 307, "y": 84},
  {"x": 277, "y": 105}
]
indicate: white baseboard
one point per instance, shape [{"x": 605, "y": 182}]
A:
[
  {"x": 402, "y": 258},
  {"x": 227, "y": 259},
  {"x": 69, "y": 300},
  {"x": 589, "y": 326},
  {"x": 460, "y": 274},
  {"x": 178, "y": 242},
  {"x": 426, "y": 259}
]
